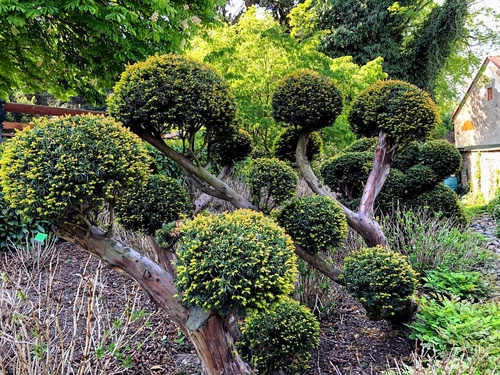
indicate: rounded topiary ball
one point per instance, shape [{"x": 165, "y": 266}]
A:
[
  {"x": 393, "y": 192},
  {"x": 271, "y": 181},
  {"x": 382, "y": 280},
  {"x": 316, "y": 223},
  {"x": 306, "y": 100},
  {"x": 362, "y": 145},
  {"x": 234, "y": 261},
  {"x": 71, "y": 166},
  {"x": 408, "y": 156},
  {"x": 172, "y": 92},
  {"x": 233, "y": 148},
  {"x": 398, "y": 108},
  {"x": 281, "y": 337},
  {"x": 285, "y": 145},
  {"x": 442, "y": 157},
  {"x": 347, "y": 173},
  {"x": 161, "y": 200},
  {"x": 420, "y": 178}
]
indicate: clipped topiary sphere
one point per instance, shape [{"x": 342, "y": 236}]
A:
[
  {"x": 172, "y": 92},
  {"x": 393, "y": 192},
  {"x": 233, "y": 148},
  {"x": 442, "y": 157},
  {"x": 71, "y": 166},
  {"x": 398, "y": 108},
  {"x": 362, "y": 145},
  {"x": 316, "y": 223},
  {"x": 442, "y": 200},
  {"x": 285, "y": 145},
  {"x": 306, "y": 100},
  {"x": 234, "y": 261},
  {"x": 347, "y": 173},
  {"x": 382, "y": 280},
  {"x": 161, "y": 200},
  {"x": 272, "y": 182},
  {"x": 280, "y": 338},
  {"x": 420, "y": 178},
  {"x": 408, "y": 156}
]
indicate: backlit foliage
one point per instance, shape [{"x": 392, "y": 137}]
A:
[{"x": 234, "y": 261}]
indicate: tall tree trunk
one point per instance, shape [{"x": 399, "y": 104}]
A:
[{"x": 213, "y": 342}]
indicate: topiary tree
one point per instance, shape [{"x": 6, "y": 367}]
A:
[
  {"x": 280, "y": 338},
  {"x": 382, "y": 281},
  {"x": 286, "y": 143},
  {"x": 306, "y": 100},
  {"x": 315, "y": 223},
  {"x": 442, "y": 157},
  {"x": 272, "y": 182},
  {"x": 232, "y": 262}
]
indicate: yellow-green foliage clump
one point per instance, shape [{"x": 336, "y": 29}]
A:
[
  {"x": 382, "y": 280},
  {"x": 285, "y": 145},
  {"x": 161, "y": 200},
  {"x": 234, "y": 261},
  {"x": 171, "y": 92},
  {"x": 306, "y": 100},
  {"x": 280, "y": 338},
  {"x": 71, "y": 166},
  {"x": 271, "y": 181},
  {"x": 314, "y": 222},
  {"x": 398, "y": 108}
]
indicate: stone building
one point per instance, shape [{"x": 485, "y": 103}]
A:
[{"x": 477, "y": 130}]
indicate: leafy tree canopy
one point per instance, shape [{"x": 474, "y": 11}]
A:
[
  {"x": 255, "y": 53},
  {"x": 80, "y": 47}
]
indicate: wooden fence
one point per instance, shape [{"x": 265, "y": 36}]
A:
[{"x": 6, "y": 127}]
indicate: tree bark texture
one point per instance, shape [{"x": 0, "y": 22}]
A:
[{"x": 215, "y": 346}]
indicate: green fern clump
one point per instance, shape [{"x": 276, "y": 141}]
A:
[
  {"x": 161, "y": 200},
  {"x": 316, "y": 223},
  {"x": 306, "y": 100},
  {"x": 382, "y": 280},
  {"x": 271, "y": 181},
  {"x": 69, "y": 167},
  {"x": 280, "y": 338},
  {"x": 234, "y": 261}
]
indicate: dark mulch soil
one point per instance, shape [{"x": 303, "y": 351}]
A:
[{"x": 350, "y": 343}]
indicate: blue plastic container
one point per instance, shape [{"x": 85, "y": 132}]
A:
[{"x": 451, "y": 182}]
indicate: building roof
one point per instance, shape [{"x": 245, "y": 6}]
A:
[{"x": 493, "y": 59}]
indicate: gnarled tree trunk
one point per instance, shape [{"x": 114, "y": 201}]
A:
[{"x": 212, "y": 340}]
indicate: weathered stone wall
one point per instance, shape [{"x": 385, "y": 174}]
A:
[{"x": 481, "y": 172}]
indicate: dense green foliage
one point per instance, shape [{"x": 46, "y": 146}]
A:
[
  {"x": 316, "y": 223},
  {"x": 306, "y": 100},
  {"x": 447, "y": 324},
  {"x": 159, "y": 201},
  {"x": 232, "y": 148},
  {"x": 398, "y": 108},
  {"x": 271, "y": 181},
  {"x": 362, "y": 144},
  {"x": 382, "y": 281},
  {"x": 285, "y": 145},
  {"x": 255, "y": 53},
  {"x": 71, "y": 166},
  {"x": 442, "y": 157},
  {"x": 281, "y": 337},
  {"x": 347, "y": 173},
  {"x": 234, "y": 261},
  {"x": 80, "y": 47},
  {"x": 171, "y": 92}
]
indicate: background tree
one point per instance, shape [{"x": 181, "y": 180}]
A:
[
  {"x": 80, "y": 48},
  {"x": 255, "y": 53}
]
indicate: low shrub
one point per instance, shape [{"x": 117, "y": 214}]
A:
[
  {"x": 316, "y": 223},
  {"x": 234, "y": 261},
  {"x": 382, "y": 281},
  {"x": 271, "y": 181},
  {"x": 280, "y": 338},
  {"x": 447, "y": 324},
  {"x": 465, "y": 285}
]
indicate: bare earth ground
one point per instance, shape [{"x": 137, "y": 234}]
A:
[{"x": 350, "y": 343}]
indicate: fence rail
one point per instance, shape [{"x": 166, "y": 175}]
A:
[{"x": 32, "y": 109}]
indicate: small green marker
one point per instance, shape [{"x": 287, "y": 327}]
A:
[{"x": 40, "y": 237}]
